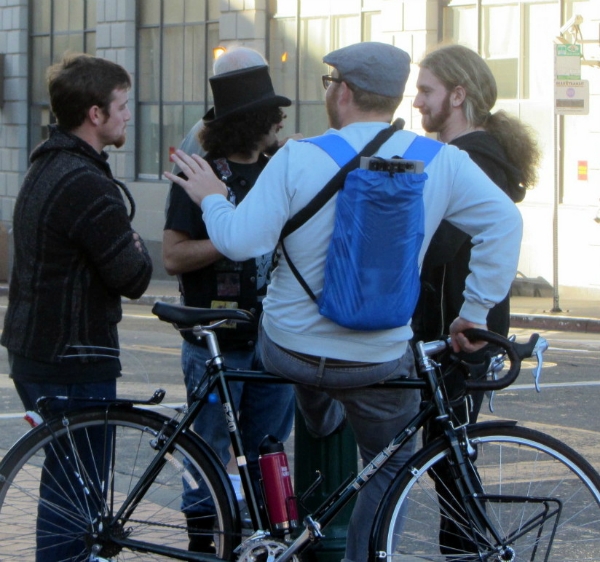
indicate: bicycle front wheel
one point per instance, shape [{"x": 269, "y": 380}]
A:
[
  {"x": 541, "y": 497},
  {"x": 63, "y": 486}
]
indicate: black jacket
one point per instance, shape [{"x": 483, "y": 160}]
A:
[
  {"x": 74, "y": 255},
  {"x": 446, "y": 263}
]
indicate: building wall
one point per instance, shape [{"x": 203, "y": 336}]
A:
[
  {"x": 13, "y": 118},
  {"x": 568, "y": 249},
  {"x": 13, "y": 113},
  {"x": 409, "y": 24}
]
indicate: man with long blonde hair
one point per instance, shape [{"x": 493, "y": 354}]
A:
[{"x": 456, "y": 94}]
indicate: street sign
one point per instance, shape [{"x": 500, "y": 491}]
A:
[
  {"x": 567, "y": 62},
  {"x": 571, "y": 97}
]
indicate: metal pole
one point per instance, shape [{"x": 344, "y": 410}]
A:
[{"x": 557, "y": 173}]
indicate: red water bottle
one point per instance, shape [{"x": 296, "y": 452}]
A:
[{"x": 277, "y": 485}]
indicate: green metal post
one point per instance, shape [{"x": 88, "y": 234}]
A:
[{"x": 336, "y": 458}]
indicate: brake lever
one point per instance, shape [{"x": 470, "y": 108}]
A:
[
  {"x": 538, "y": 352},
  {"x": 496, "y": 366}
]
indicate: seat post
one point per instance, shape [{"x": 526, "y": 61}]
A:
[{"x": 212, "y": 344}]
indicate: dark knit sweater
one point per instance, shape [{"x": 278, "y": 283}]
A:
[{"x": 74, "y": 256}]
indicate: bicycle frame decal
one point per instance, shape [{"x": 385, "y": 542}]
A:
[
  {"x": 230, "y": 417},
  {"x": 369, "y": 470}
]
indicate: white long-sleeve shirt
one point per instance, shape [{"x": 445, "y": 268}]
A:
[{"x": 456, "y": 189}]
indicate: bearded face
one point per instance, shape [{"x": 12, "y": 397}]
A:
[{"x": 432, "y": 101}]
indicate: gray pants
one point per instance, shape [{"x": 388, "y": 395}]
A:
[{"x": 376, "y": 415}]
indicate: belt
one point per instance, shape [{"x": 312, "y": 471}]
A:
[{"x": 326, "y": 362}]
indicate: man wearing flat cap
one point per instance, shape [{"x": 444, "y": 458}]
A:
[
  {"x": 237, "y": 131},
  {"x": 333, "y": 365}
]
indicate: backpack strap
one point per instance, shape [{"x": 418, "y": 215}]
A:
[
  {"x": 341, "y": 151},
  {"x": 422, "y": 148},
  {"x": 337, "y": 147},
  {"x": 337, "y": 181},
  {"x": 297, "y": 274}
]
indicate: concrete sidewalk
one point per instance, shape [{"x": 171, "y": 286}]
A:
[{"x": 576, "y": 315}]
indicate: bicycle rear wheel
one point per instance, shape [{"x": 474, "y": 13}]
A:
[
  {"x": 99, "y": 456},
  {"x": 540, "y": 495}
]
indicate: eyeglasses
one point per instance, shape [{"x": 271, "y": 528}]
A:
[{"x": 328, "y": 79}]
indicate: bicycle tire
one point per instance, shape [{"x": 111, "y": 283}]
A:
[
  {"x": 521, "y": 472},
  {"x": 155, "y": 530}
]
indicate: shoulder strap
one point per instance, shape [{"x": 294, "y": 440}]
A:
[
  {"x": 422, "y": 148},
  {"x": 337, "y": 147},
  {"x": 297, "y": 274},
  {"x": 336, "y": 182}
]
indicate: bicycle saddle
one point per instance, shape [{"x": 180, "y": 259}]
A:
[{"x": 189, "y": 316}]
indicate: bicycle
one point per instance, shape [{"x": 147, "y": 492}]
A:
[{"x": 521, "y": 494}]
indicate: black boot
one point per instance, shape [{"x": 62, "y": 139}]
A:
[{"x": 201, "y": 532}]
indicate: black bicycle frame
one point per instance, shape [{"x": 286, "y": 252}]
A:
[{"x": 218, "y": 375}]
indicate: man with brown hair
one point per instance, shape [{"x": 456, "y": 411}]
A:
[{"x": 76, "y": 254}]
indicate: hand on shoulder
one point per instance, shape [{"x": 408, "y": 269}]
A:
[
  {"x": 200, "y": 180},
  {"x": 295, "y": 136}
]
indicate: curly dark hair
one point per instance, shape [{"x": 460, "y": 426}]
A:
[{"x": 238, "y": 134}]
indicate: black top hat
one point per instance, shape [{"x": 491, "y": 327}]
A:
[{"x": 241, "y": 91}]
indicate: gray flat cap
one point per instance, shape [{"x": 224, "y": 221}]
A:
[{"x": 378, "y": 68}]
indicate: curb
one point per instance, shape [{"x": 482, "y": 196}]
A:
[
  {"x": 528, "y": 321},
  {"x": 558, "y": 323}
]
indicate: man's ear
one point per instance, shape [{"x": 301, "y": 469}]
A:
[
  {"x": 95, "y": 115},
  {"x": 345, "y": 94},
  {"x": 458, "y": 96}
]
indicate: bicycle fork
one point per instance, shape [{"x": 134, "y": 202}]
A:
[
  {"x": 484, "y": 537},
  {"x": 462, "y": 455},
  {"x": 469, "y": 500}
]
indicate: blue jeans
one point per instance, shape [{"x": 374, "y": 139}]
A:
[
  {"x": 56, "y": 514},
  {"x": 263, "y": 408},
  {"x": 375, "y": 415}
]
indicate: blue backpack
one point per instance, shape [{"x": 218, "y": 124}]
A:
[{"x": 371, "y": 269}]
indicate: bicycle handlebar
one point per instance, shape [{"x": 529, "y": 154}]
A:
[{"x": 516, "y": 352}]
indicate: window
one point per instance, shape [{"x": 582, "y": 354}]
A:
[
  {"x": 505, "y": 33},
  {"x": 176, "y": 39},
  {"x": 516, "y": 38},
  {"x": 57, "y": 26},
  {"x": 301, "y": 33}
]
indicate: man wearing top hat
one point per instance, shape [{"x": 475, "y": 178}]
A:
[{"x": 238, "y": 130}]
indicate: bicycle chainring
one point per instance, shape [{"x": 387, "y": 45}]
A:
[{"x": 262, "y": 549}]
